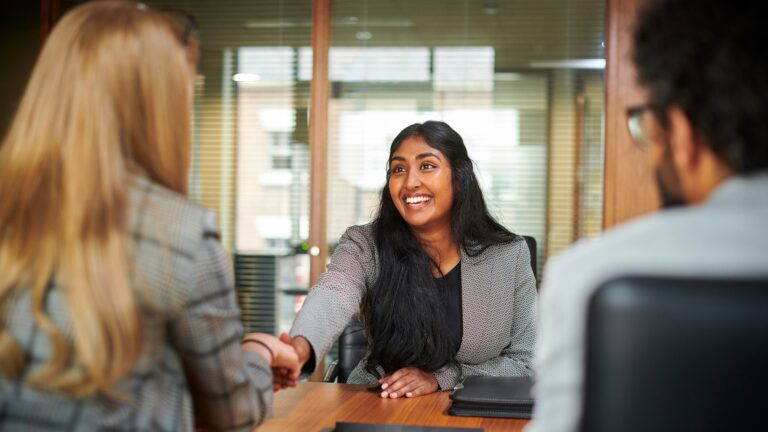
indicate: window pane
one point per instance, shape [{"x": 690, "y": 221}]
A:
[
  {"x": 520, "y": 81},
  {"x": 250, "y": 151},
  {"x": 517, "y": 80}
]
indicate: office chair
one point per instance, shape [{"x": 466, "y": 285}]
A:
[
  {"x": 666, "y": 354},
  {"x": 353, "y": 343},
  {"x": 531, "y": 242}
]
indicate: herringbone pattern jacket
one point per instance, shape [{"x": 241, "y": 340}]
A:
[
  {"x": 498, "y": 291},
  {"x": 191, "y": 328}
]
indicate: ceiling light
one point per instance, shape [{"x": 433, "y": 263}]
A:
[
  {"x": 246, "y": 77},
  {"x": 363, "y": 35},
  {"x": 569, "y": 64},
  {"x": 491, "y": 7},
  {"x": 507, "y": 76},
  {"x": 343, "y": 22}
]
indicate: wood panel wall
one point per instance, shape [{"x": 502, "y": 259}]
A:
[
  {"x": 50, "y": 12},
  {"x": 318, "y": 138},
  {"x": 629, "y": 184}
]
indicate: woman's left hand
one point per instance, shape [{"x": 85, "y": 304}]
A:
[{"x": 408, "y": 382}]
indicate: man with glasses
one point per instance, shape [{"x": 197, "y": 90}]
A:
[{"x": 704, "y": 129}]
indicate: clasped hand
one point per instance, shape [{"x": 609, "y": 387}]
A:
[{"x": 282, "y": 357}]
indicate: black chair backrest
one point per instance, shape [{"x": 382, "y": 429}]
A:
[
  {"x": 531, "y": 242},
  {"x": 353, "y": 344},
  {"x": 667, "y": 354}
]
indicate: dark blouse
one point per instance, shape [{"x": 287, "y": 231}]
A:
[{"x": 451, "y": 283}]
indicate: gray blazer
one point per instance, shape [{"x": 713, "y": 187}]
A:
[
  {"x": 498, "y": 292},
  {"x": 191, "y": 332}
]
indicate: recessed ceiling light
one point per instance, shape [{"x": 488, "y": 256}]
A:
[
  {"x": 569, "y": 64},
  {"x": 246, "y": 77},
  {"x": 491, "y": 7},
  {"x": 507, "y": 76},
  {"x": 363, "y": 35}
]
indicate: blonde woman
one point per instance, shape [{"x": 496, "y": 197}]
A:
[{"x": 117, "y": 307}]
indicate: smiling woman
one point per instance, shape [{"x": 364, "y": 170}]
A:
[
  {"x": 443, "y": 289},
  {"x": 420, "y": 181}
]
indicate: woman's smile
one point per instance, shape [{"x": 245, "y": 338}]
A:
[
  {"x": 421, "y": 185},
  {"x": 416, "y": 202}
]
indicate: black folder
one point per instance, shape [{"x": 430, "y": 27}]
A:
[
  {"x": 371, "y": 427},
  {"x": 485, "y": 396}
]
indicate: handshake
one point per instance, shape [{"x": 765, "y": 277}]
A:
[{"x": 285, "y": 355}]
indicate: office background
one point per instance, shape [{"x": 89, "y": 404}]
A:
[{"x": 536, "y": 88}]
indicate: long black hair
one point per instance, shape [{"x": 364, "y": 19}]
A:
[{"x": 402, "y": 310}]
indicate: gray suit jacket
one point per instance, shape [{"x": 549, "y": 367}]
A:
[
  {"x": 498, "y": 292},
  {"x": 191, "y": 336},
  {"x": 725, "y": 236}
]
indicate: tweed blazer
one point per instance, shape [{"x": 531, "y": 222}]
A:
[
  {"x": 191, "y": 334},
  {"x": 498, "y": 291}
]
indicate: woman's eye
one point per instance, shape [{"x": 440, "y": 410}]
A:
[
  {"x": 427, "y": 165},
  {"x": 396, "y": 170}
]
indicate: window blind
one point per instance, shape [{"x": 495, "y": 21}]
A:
[
  {"x": 520, "y": 80},
  {"x": 250, "y": 151},
  {"x": 516, "y": 79}
]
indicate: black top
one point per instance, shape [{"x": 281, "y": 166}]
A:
[{"x": 451, "y": 284}]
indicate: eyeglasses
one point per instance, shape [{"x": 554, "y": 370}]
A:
[
  {"x": 183, "y": 21},
  {"x": 185, "y": 26},
  {"x": 635, "y": 124}
]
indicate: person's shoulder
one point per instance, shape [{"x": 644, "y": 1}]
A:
[
  {"x": 633, "y": 237},
  {"x": 646, "y": 244},
  {"x": 631, "y": 234},
  {"x": 363, "y": 234},
  {"x": 359, "y": 240},
  {"x": 362, "y": 230},
  {"x": 515, "y": 246},
  {"x": 168, "y": 219}
]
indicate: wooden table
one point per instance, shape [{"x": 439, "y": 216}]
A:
[{"x": 313, "y": 406}]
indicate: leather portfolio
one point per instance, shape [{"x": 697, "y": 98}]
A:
[
  {"x": 485, "y": 396},
  {"x": 372, "y": 427}
]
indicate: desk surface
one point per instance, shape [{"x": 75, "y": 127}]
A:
[{"x": 312, "y": 406}]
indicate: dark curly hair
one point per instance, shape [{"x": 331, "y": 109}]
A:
[
  {"x": 401, "y": 311},
  {"x": 708, "y": 57}
]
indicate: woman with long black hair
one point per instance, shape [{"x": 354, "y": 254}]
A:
[{"x": 443, "y": 289}]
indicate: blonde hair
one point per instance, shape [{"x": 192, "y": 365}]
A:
[{"x": 108, "y": 99}]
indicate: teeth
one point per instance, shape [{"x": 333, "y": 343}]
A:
[{"x": 416, "y": 199}]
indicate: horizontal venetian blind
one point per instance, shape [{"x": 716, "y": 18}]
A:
[
  {"x": 250, "y": 151},
  {"x": 521, "y": 81}
]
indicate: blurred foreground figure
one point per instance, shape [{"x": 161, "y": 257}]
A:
[
  {"x": 117, "y": 306},
  {"x": 704, "y": 127}
]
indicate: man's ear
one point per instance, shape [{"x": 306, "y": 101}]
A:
[{"x": 686, "y": 151}]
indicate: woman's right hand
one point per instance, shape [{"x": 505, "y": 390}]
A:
[
  {"x": 283, "y": 358},
  {"x": 301, "y": 346}
]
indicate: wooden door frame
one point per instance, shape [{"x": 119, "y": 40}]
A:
[
  {"x": 629, "y": 188},
  {"x": 318, "y": 139},
  {"x": 50, "y": 12}
]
